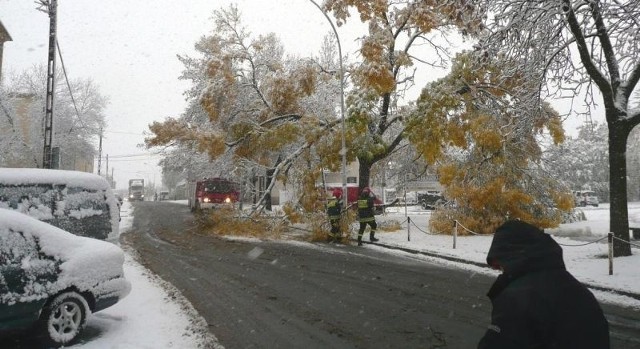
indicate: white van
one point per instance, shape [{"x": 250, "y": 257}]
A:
[
  {"x": 78, "y": 202},
  {"x": 586, "y": 198}
]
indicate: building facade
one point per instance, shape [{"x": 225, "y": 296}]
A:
[{"x": 4, "y": 37}]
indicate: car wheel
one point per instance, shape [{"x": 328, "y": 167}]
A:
[{"x": 62, "y": 319}]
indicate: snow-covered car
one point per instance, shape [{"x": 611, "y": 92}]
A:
[
  {"x": 78, "y": 202},
  {"x": 52, "y": 280}
]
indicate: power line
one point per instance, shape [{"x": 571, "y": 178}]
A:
[
  {"x": 134, "y": 155},
  {"x": 73, "y": 100},
  {"x": 126, "y": 133},
  {"x": 123, "y": 160}
]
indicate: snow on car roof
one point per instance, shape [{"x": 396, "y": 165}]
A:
[
  {"x": 16, "y": 176},
  {"x": 53, "y": 240}
]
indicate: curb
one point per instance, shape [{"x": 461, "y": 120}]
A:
[{"x": 635, "y": 296}]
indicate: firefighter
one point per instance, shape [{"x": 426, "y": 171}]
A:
[
  {"x": 366, "y": 215},
  {"x": 334, "y": 211}
]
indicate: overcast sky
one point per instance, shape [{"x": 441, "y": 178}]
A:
[{"x": 129, "y": 48}]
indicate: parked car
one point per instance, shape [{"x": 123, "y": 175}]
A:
[
  {"x": 430, "y": 199},
  {"x": 586, "y": 198},
  {"x": 51, "y": 280},
  {"x": 79, "y": 202}
]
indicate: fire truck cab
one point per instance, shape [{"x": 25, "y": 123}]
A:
[{"x": 213, "y": 193}]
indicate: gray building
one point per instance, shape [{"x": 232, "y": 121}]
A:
[{"x": 4, "y": 36}]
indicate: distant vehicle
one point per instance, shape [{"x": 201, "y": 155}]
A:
[
  {"x": 78, "y": 202},
  {"x": 430, "y": 199},
  {"x": 586, "y": 198},
  {"x": 136, "y": 190},
  {"x": 164, "y": 195},
  {"x": 391, "y": 197},
  {"x": 213, "y": 193},
  {"x": 52, "y": 280}
]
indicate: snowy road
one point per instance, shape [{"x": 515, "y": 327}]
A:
[{"x": 282, "y": 294}]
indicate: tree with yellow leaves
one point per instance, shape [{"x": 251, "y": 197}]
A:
[
  {"x": 396, "y": 30},
  {"x": 475, "y": 125},
  {"x": 249, "y": 103}
]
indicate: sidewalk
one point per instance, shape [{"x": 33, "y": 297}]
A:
[{"x": 584, "y": 249}]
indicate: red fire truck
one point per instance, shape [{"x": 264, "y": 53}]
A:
[{"x": 212, "y": 193}]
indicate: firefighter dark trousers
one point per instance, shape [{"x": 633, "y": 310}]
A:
[
  {"x": 363, "y": 226},
  {"x": 335, "y": 230}
]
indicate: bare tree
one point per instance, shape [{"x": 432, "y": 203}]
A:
[
  {"x": 78, "y": 116},
  {"x": 583, "y": 48}
]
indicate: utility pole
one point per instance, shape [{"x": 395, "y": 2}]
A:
[
  {"x": 100, "y": 152},
  {"x": 51, "y": 73}
]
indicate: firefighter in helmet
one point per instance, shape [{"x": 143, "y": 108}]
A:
[
  {"x": 334, "y": 211},
  {"x": 366, "y": 215}
]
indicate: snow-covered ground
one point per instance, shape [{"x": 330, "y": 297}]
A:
[
  {"x": 154, "y": 315},
  {"x": 585, "y": 258}
]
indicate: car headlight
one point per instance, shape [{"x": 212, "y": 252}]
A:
[
  {"x": 206, "y": 200},
  {"x": 227, "y": 200}
]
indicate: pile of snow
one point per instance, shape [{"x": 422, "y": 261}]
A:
[{"x": 153, "y": 315}]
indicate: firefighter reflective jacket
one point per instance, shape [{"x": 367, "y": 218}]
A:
[
  {"x": 365, "y": 209},
  {"x": 334, "y": 209}
]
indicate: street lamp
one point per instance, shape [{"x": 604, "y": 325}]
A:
[{"x": 343, "y": 150}]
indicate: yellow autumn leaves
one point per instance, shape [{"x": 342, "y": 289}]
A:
[{"x": 487, "y": 149}]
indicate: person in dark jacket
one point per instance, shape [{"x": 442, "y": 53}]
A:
[
  {"x": 334, "y": 211},
  {"x": 366, "y": 215},
  {"x": 536, "y": 302}
]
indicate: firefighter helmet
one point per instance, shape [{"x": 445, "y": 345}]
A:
[
  {"x": 337, "y": 193},
  {"x": 366, "y": 190}
]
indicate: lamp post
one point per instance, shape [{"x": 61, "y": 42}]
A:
[{"x": 343, "y": 150}]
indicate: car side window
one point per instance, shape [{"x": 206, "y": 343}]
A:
[
  {"x": 26, "y": 271},
  {"x": 36, "y": 200},
  {"x": 15, "y": 249},
  {"x": 83, "y": 199}
]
